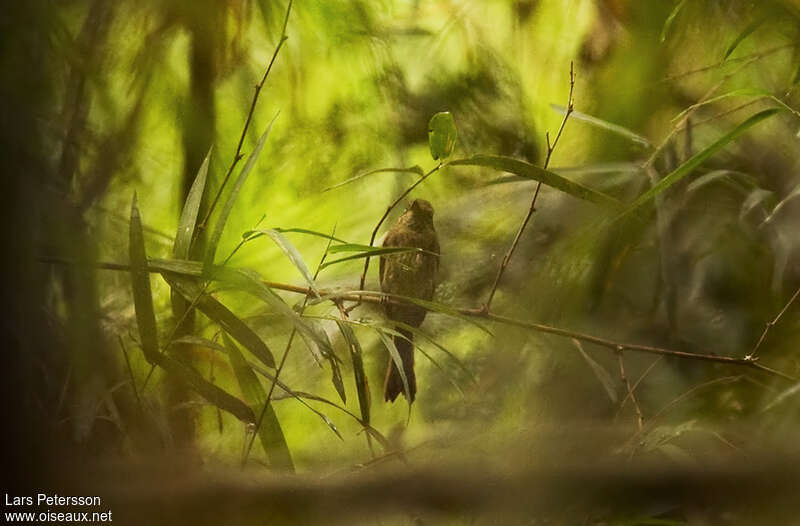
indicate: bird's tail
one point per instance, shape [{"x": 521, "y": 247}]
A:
[{"x": 394, "y": 382}]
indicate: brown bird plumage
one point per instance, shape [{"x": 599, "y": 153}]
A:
[{"x": 409, "y": 274}]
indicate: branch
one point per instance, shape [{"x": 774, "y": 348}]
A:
[
  {"x": 532, "y": 209},
  {"x": 238, "y": 155},
  {"x": 771, "y": 323},
  {"x": 376, "y": 297},
  {"x": 629, "y": 389}
]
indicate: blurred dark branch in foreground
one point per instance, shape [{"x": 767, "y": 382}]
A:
[
  {"x": 376, "y": 297},
  {"x": 758, "y": 491}
]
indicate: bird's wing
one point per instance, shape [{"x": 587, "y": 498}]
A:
[{"x": 388, "y": 241}]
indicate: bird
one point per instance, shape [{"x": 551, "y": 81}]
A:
[{"x": 411, "y": 274}]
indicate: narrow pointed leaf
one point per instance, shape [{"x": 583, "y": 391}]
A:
[
  {"x": 291, "y": 252},
  {"x": 413, "y": 169},
  {"x": 372, "y": 252},
  {"x": 670, "y": 19},
  {"x": 696, "y": 160},
  {"x": 188, "y": 220},
  {"x": 605, "y": 125},
  {"x": 270, "y": 432},
  {"x": 206, "y": 389},
  {"x": 388, "y": 342},
  {"x": 199, "y": 341},
  {"x": 250, "y": 282},
  {"x": 529, "y": 171},
  {"x": 300, "y": 396},
  {"x": 219, "y": 227},
  {"x": 602, "y": 375},
  {"x": 746, "y": 32},
  {"x": 359, "y": 375},
  {"x": 224, "y": 317},
  {"x": 142, "y": 293}
]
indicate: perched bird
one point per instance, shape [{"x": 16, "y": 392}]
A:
[{"x": 408, "y": 274}]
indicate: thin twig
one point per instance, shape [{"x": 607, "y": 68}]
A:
[
  {"x": 238, "y": 155},
  {"x": 757, "y": 55},
  {"x": 377, "y": 297},
  {"x": 638, "y": 381},
  {"x": 532, "y": 209},
  {"x": 130, "y": 372},
  {"x": 629, "y": 389},
  {"x": 263, "y": 413},
  {"x": 774, "y": 321},
  {"x": 686, "y": 116},
  {"x": 382, "y": 219}
]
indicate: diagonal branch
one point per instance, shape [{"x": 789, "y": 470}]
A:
[
  {"x": 238, "y": 155},
  {"x": 532, "y": 209}
]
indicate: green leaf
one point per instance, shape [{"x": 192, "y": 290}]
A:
[
  {"x": 206, "y": 389},
  {"x": 442, "y": 135},
  {"x": 696, "y": 160},
  {"x": 142, "y": 293},
  {"x": 368, "y": 252},
  {"x": 219, "y": 227},
  {"x": 670, "y": 19},
  {"x": 529, "y": 171},
  {"x": 186, "y": 225},
  {"x": 291, "y": 252},
  {"x": 224, "y": 317},
  {"x": 413, "y": 169},
  {"x": 299, "y": 396},
  {"x": 746, "y": 32},
  {"x": 359, "y": 375},
  {"x": 270, "y": 432},
  {"x": 602, "y": 375},
  {"x": 388, "y": 342},
  {"x": 198, "y": 341},
  {"x": 250, "y": 282},
  {"x": 309, "y": 232},
  {"x": 605, "y": 125}
]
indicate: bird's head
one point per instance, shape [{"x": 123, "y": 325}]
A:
[{"x": 422, "y": 209}]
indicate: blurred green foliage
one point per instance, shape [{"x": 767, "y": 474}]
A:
[{"x": 668, "y": 218}]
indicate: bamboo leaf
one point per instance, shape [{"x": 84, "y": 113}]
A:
[
  {"x": 359, "y": 375},
  {"x": 602, "y": 375},
  {"x": 746, "y": 32},
  {"x": 670, "y": 19},
  {"x": 270, "y": 432},
  {"x": 300, "y": 396},
  {"x": 413, "y": 169},
  {"x": 198, "y": 341},
  {"x": 219, "y": 227},
  {"x": 186, "y": 224},
  {"x": 206, "y": 389},
  {"x": 369, "y": 252},
  {"x": 294, "y": 256},
  {"x": 250, "y": 282},
  {"x": 224, "y": 317},
  {"x": 696, "y": 160},
  {"x": 605, "y": 125},
  {"x": 309, "y": 232},
  {"x": 529, "y": 171},
  {"x": 388, "y": 342},
  {"x": 142, "y": 293}
]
